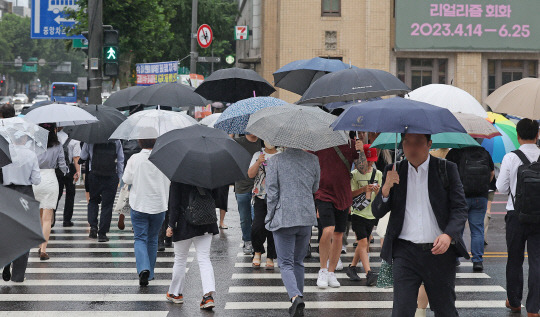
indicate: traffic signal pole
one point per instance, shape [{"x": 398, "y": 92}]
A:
[
  {"x": 95, "y": 47},
  {"x": 193, "y": 51}
]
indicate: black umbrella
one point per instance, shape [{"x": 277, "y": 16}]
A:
[
  {"x": 36, "y": 105},
  {"x": 234, "y": 84},
  {"x": 20, "y": 228},
  {"x": 5, "y": 157},
  {"x": 353, "y": 84},
  {"x": 200, "y": 156},
  {"x": 98, "y": 132},
  {"x": 120, "y": 99},
  {"x": 168, "y": 95}
]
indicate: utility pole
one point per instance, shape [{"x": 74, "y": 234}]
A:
[
  {"x": 95, "y": 48},
  {"x": 193, "y": 52}
]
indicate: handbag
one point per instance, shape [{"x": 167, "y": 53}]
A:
[
  {"x": 386, "y": 277},
  {"x": 360, "y": 202},
  {"x": 122, "y": 205}
]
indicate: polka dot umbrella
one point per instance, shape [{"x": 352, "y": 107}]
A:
[{"x": 506, "y": 142}]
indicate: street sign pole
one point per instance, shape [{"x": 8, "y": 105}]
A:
[
  {"x": 95, "y": 44},
  {"x": 193, "y": 62}
]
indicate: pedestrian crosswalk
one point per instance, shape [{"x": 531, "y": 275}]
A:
[
  {"x": 84, "y": 277},
  {"x": 475, "y": 291}
]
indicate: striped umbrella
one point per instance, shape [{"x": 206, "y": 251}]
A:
[
  {"x": 506, "y": 142},
  {"x": 235, "y": 118}
]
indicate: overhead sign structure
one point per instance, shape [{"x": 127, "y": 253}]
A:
[
  {"x": 204, "y": 35},
  {"x": 467, "y": 25},
  {"x": 156, "y": 73},
  {"x": 241, "y": 32},
  {"x": 49, "y": 20}
]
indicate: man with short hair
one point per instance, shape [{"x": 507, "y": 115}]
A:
[
  {"x": 519, "y": 234},
  {"x": 424, "y": 234},
  {"x": 7, "y": 111}
]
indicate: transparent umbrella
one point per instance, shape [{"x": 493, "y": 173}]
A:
[
  {"x": 150, "y": 124},
  {"x": 21, "y": 133}
]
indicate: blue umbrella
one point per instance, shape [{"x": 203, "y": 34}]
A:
[
  {"x": 235, "y": 118},
  {"x": 398, "y": 115},
  {"x": 297, "y": 76}
]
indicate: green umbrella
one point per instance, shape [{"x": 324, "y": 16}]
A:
[{"x": 387, "y": 141}]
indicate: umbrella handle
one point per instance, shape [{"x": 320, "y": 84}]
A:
[{"x": 254, "y": 94}]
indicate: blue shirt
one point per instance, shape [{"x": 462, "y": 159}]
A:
[{"x": 88, "y": 149}]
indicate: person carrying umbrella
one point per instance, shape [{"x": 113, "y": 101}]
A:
[
  {"x": 46, "y": 192},
  {"x": 259, "y": 234},
  {"x": 148, "y": 199},
  {"x": 106, "y": 166},
  {"x": 20, "y": 175}
]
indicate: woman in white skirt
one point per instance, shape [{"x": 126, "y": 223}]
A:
[{"x": 47, "y": 191}]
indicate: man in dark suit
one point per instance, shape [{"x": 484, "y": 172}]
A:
[{"x": 423, "y": 237}]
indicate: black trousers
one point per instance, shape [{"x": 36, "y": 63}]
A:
[
  {"x": 102, "y": 191},
  {"x": 411, "y": 267},
  {"x": 517, "y": 235},
  {"x": 259, "y": 234},
  {"x": 67, "y": 182},
  {"x": 163, "y": 230}
]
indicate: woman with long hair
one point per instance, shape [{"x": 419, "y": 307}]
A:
[{"x": 47, "y": 191}]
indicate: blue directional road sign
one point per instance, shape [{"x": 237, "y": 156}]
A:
[{"x": 49, "y": 20}]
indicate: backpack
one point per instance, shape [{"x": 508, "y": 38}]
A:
[
  {"x": 201, "y": 209},
  {"x": 66, "y": 151},
  {"x": 474, "y": 172},
  {"x": 527, "y": 200},
  {"x": 104, "y": 159}
]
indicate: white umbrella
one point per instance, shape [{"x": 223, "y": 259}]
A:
[
  {"x": 61, "y": 114},
  {"x": 150, "y": 124},
  {"x": 210, "y": 120},
  {"x": 449, "y": 97}
]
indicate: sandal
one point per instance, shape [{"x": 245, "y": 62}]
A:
[
  {"x": 223, "y": 227},
  {"x": 269, "y": 264},
  {"x": 256, "y": 261},
  {"x": 43, "y": 256}
]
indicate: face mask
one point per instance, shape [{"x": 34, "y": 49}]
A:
[{"x": 269, "y": 146}]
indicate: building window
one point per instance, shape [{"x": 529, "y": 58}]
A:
[
  {"x": 330, "y": 40},
  {"x": 417, "y": 72},
  {"x": 331, "y": 8},
  {"x": 502, "y": 72}
]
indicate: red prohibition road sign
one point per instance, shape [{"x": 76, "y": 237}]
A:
[{"x": 204, "y": 35}]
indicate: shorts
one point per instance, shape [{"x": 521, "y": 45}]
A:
[
  {"x": 362, "y": 227},
  {"x": 329, "y": 216},
  {"x": 221, "y": 197}
]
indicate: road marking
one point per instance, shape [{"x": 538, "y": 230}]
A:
[
  {"x": 90, "y": 270},
  {"x": 90, "y": 250},
  {"x": 352, "y": 304},
  {"x": 357, "y": 289},
  {"x": 92, "y": 313},
  {"x": 160, "y": 259},
  {"x": 313, "y": 264},
  {"x": 309, "y": 276},
  {"x": 134, "y": 282},
  {"x": 82, "y": 298}
]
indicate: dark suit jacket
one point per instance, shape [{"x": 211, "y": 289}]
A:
[{"x": 449, "y": 206}]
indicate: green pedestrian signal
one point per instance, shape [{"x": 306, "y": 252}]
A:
[{"x": 110, "y": 53}]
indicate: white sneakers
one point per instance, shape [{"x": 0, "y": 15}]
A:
[
  {"x": 339, "y": 266},
  {"x": 327, "y": 279},
  {"x": 322, "y": 281},
  {"x": 332, "y": 280}
]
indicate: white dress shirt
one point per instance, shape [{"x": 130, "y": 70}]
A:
[
  {"x": 420, "y": 224},
  {"x": 149, "y": 192},
  {"x": 506, "y": 183},
  {"x": 74, "y": 146}
]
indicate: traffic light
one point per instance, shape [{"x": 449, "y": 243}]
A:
[{"x": 110, "y": 52}]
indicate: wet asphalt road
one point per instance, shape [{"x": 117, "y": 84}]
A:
[{"x": 87, "y": 278}]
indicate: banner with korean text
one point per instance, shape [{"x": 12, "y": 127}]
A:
[
  {"x": 468, "y": 25},
  {"x": 156, "y": 73}
]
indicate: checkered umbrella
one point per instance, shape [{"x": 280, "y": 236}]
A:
[
  {"x": 235, "y": 118},
  {"x": 298, "y": 127}
]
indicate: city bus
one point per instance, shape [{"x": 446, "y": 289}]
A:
[{"x": 64, "y": 92}]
